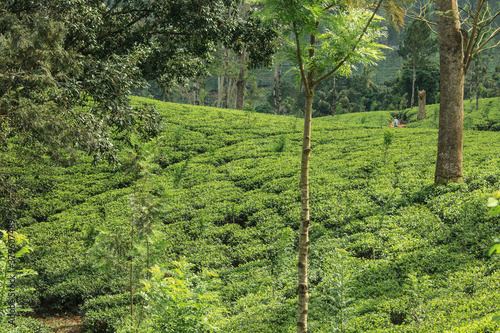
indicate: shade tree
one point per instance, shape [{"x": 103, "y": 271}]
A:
[
  {"x": 321, "y": 38},
  {"x": 463, "y": 33}
]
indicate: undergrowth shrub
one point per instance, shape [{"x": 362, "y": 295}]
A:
[{"x": 105, "y": 314}]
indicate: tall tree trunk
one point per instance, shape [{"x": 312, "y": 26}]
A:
[
  {"x": 227, "y": 92},
  {"x": 476, "y": 75},
  {"x": 334, "y": 98},
  {"x": 450, "y": 138},
  {"x": 280, "y": 108},
  {"x": 187, "y": 93},
  {"x": 242, "y": 76},
  {"x": 226, "y": 79},
  {"x": 231, "y": 92},
  {"x": 412, "y": 102},
  {"x": 421, "y": 104},
  {"x": 275, "y": 90},
  {"x": 304, "y": 218},
  {"x": 471, "y": 87},
  {"x": 220, "y": 89},
  {"x": 242, "y": 81},
  {"x": 197, "y": 89}
]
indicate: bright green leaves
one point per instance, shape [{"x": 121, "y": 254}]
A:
[
  {"x": 323, "y": 38},
  {"x": 340, "y": 37},
  {"x": 21, "y": 244},
  {"x": 181, "y": 301},
  {"x": 493, "y": 203},
  {"x": 388, "y": 136}
]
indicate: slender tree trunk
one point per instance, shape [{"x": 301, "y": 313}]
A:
[
  {"x": 197, "y": 88},
  {"x": 476, "y": 75},
  {"x": 334, "y": 98},
  {"x": 450, "y": 138},
  {"x": 242, "y": 76},
  {"x": 231, "y": 90},
  {"x": 187, "y": 93},
  {"x": 227, "y": 92},
  {"x": 226, "y": 79},
  {"x": 280, "y": 108},
  {"x": 220, "y": 89},
  {"x": 412, "y": 102},
  {"x": 421, "y": 105},
  {"x": 242, "y": 81},
  {"x": 275, "y": 90},
  {"x": 304, "y": 218}
]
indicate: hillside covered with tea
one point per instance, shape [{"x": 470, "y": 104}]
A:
[{"x": 208, "y": 214}]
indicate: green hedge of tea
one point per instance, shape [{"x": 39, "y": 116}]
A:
[{"x": 390, "y": 252}]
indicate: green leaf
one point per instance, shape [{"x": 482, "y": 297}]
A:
[
  {"x": 493, "y": 249},
  {"x": 492, "y": 202},
  {"x": 494, "y": 211}
]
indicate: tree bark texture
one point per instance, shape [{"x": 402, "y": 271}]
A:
[
  {"x": 476, "y": 76},
  {"x": 421, "y": 104},
  {"x": 220, "y": 88},
  {"x": 299, "y": 101},
  {"x": 227, "y": 92},
  {"x": 241, "y": 83},
  {"x": 450, "y": 138},
  {"x": 303, "y": 291},
  {"x": 227, "y": 81}
]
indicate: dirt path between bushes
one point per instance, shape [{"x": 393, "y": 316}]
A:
[{"x": 63, "y": 324}]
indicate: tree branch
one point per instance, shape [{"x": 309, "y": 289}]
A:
[
  {"x": 327, "y": 8},
  {"x": 342, "y": 62},
  {"x": 469, "y": 14},
  {"x": 108, "y": 33},
  {"x": 473, "y": 37},
  {"x": 130, "y": 12},
  {"x": 299, "y": 57},
  {"x": 490, "y": 19},
  {"x": 421, "y": 17},
  {"x": 113, "y": 7},
  {"x": 480, "y": 47}
]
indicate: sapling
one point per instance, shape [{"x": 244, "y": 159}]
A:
[
  {"x": 388, "y": 136},
  {"x": 333, "y": 302},
  {"x": 22, "y": 248},
  {"x": 111, "y": 247},
  {"x": 178, "y": 300}
]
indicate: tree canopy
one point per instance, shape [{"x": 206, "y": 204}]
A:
[{"x": 68, "y": 66}]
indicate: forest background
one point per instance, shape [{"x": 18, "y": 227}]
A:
[{"x": 386, "y": 85}]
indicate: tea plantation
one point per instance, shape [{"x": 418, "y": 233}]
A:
[{"x": 214, "y": 201}]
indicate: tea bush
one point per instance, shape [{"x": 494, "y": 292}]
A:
[{"x": 413, "y": 253}]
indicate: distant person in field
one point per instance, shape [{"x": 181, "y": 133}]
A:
[{"x": 396, "y": 122}]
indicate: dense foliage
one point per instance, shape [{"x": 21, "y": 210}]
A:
[
  {"x": 68, "y": 66},
  {"x": 390, "y": 252}
]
